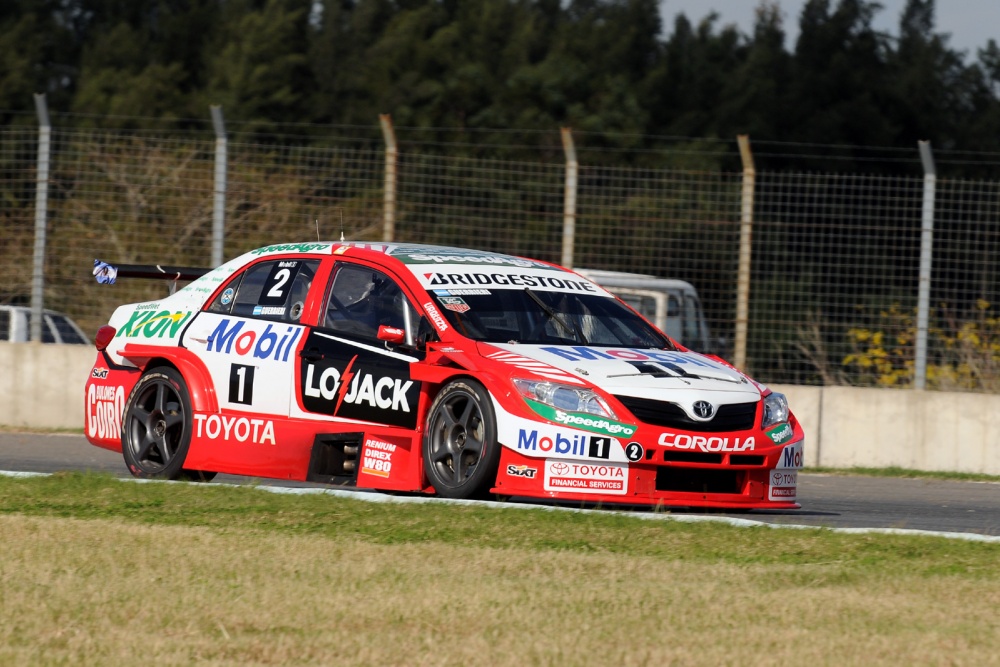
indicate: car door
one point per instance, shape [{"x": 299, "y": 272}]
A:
[
  {"x": 248, "y": 337},
  {"x": 344, "y": 371}
]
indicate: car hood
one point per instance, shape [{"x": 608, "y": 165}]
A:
[{"x": 643, "y": 373}]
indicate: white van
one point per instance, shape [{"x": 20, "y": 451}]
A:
[
  {"x": 672, "y": 305},
  {"x": 15, "y": 327}
]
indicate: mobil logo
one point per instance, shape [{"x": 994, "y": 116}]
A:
[
  {"x": 791, "y": 456},
  {"x": 248, "y": 340},
  {"x": 564, "y": 443}
]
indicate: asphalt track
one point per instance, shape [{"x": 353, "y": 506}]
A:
[{"x": 827, "y": 500}]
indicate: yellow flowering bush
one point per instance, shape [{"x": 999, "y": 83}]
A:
[{"x": 964, "y": 357}]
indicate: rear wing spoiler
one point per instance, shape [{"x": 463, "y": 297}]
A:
[{"x": 107, "y": 274}]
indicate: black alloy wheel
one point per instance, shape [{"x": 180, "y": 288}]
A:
[
  {"x": 156, "y": 429},
  {"x": 461, "y": 452}
]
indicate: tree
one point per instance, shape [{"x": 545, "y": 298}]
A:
[
  {"x": 258, "y": 66},
  {"x": 755, "y": 97}
]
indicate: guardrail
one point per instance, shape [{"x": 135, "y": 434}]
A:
[{"x": 845, "y": 426}]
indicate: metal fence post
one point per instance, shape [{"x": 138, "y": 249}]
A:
[
  {"x": 219, "y": 199},
  {"x": 569, "y": 200},
  {"x": 926, "y": 253},
  {"x": 743, "y": 272},
  {"x": 41, "y": 217},
  {"x": 391, "y": 157}
]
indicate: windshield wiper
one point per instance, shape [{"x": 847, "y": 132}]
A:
[{"x": 574, "y": 330}]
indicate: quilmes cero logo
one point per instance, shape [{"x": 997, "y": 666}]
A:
[
  {"x": 154, "y": 324},
  {"x": 272, "y": 343}
]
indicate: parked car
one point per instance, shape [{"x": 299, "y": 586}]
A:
[
  {"x": 15, "y": 327},
  {"x": 447, "y": 371},
  {"x": 672, "y": 305}
]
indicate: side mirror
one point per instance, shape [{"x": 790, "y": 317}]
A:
[{"x": 391, "y": 334}]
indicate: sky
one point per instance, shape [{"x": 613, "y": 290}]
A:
[{"x": 970, "y": 22}]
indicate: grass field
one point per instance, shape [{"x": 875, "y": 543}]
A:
[{"x": 97, "y": 571}]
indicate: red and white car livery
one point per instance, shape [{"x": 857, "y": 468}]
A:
[{"x": 454, "y": 372}]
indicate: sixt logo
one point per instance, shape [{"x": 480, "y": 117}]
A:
[
  {"x": 522, "y": 471},
  {"x": 153, "y": 324},
  {"x": 229, "y": 337}
]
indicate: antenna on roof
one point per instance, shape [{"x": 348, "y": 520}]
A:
[
  {"x": 317, "y": 229},
  {"x": 341, "y": 225}
]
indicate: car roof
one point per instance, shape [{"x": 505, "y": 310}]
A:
[
  {"x": 637, "y": 280},
  {"x": 410, "y": 255},
  {"x": 28, "y": 309}
]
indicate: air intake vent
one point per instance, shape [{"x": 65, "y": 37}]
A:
[
  {"x": 692, "y": 457},
  {"x": 693, "y": 480},
  {"x": 736, "y": 417},
  {"x": 334, "y": 458}
]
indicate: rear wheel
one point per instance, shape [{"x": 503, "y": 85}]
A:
[
  {"x": 461, "y": 452},
  {"x": 156, "y": 428}
]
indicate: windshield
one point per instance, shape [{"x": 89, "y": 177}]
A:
[{"x": 546, "y": 318}]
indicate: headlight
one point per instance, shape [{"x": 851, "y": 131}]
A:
[
  {"x": 775, "y": 409},
  {"x": 564, "y": 397}
]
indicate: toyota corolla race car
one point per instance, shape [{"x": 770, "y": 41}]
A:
[{"x": 446, "y": 371}]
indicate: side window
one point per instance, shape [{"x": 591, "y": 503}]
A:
[
  {"x": 67, "y": 332},
  {"x": 47, "y": 334},
  {"x": 273, "y": 290},
  {"x": 673, "y": 305},
  {"x": 223, "y": 303},
  {"x": 4, "y": 325},
  {"x": 361, "y": 299},
  {"x": 692, "y": 322}
]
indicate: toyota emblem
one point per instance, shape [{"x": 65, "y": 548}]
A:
[{"x": 703, "y": 410}]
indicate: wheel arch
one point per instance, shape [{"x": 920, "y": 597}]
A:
[{"x": 196, "y": 375}]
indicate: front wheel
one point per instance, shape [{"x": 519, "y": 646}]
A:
[
  {"x": 156, "y": 428},
  {"x": 461, "y": 452}
]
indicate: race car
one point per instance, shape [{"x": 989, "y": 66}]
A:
[{"x": 413, "y": 368}]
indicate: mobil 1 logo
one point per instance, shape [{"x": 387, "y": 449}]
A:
[{"x": 241, "y": 384}]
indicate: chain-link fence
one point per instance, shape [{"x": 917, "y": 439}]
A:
[{"x": 835, "y": 270}]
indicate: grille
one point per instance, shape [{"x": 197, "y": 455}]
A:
[
  {"x": 736, "y": 417},
  {"x": 699, "y": 481},
  {"x": 692, "y": 457}
]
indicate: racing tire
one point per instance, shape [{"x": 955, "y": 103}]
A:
[
  {"x": 461, "y": 452},
  {"x": 156, "y": 428}
]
